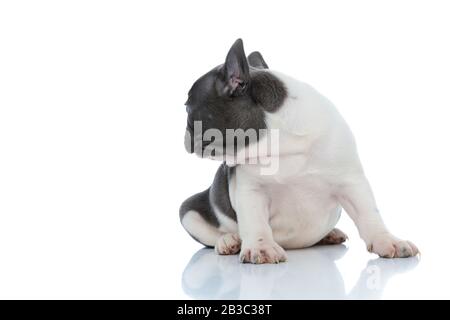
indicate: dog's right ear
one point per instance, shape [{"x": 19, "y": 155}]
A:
[{"x": 256, "y": 60}]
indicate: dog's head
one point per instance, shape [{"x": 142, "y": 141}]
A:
[{"x": 230, "y": 97}]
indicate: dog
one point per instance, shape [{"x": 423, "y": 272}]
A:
[{"x": 296, "y": 203}]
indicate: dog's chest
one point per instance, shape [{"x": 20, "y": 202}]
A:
[
  {"x": 302, "y": 207},
  {"x": 302, "y": 212}
]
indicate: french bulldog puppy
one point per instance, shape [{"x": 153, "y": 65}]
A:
[{"x": 295, "y": 204}]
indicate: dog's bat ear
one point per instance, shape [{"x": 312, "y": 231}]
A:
[
  {"x": 256, "y": 60},
  {"x": 236, "y": 70}
]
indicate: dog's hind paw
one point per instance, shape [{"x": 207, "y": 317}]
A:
[
  {"x": 229, "y": 243},
  {"x": 335, "y": 236}
]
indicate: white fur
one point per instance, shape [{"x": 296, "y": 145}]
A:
[
  {"x": 227, "y": 225},
  {"x": 319, "y": 171},
  {"x": 194, "y": 224}
]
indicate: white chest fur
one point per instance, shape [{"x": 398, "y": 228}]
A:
[{"x": 302, "y": 206}]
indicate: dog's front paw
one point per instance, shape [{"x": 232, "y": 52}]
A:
[
  {"x": 388, "y": 246},
  {"x": 262, "y": 251}
]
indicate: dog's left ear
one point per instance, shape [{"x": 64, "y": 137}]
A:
[
  {"x": 256, "y": 60},
  {"x": 236, "y": 70}
]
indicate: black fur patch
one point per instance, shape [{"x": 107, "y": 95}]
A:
[
  {"x": 233, "y": 96},
  {"x": 256, "y": 60},
  {"x": 218, "y": 192},
  {"x": 200, "y": 202},
  {"x": 216, "y": 111},
  {"x": 268, "y": 91}
]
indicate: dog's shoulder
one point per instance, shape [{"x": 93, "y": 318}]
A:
[{"x": 304, "y": 111}]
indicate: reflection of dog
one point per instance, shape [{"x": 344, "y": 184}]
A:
[
  {"x": 310, "y": 274},
  {"x": 318, "y": 167}
]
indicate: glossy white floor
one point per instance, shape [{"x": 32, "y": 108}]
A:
[
  {"x": 314, "y": 273},
  {"x": 321, "y": 272},
  {"x": 93, "y": 168},
  {"x": 327, "y": 272},
  {"x": 125, "y": 257}
]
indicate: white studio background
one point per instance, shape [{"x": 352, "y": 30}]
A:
[{"x": 92, "y": 163}]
